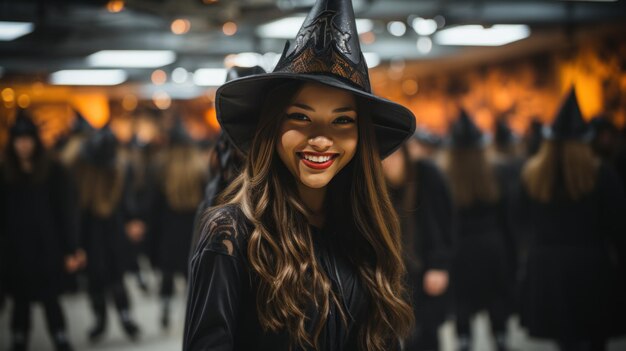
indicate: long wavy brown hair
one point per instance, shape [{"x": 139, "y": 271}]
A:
[
  {"x": 570, "y": 163},
  {"x": 183, "y": 175},
  {"x": 280, "y": 248},
  {"x": 100, "y": 188},
  {"x": 471, "y": 176}
]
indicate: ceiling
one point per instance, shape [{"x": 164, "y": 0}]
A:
[{"x": 67, "y": 31}]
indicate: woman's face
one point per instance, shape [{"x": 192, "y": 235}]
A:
[
  {"x": 24, "y": 147},
  {"x": 319, "y": 134}
]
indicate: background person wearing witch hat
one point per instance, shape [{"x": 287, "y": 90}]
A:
[
  {"x": 225, "y": 161},
  {"x": 421, "y": 197},
  {"x": 480, "y": 274},
  {"x": 102, "y": 183},
  {"x": 572, "y": 292},
  {"x": 39, "y": 241},
  {"x": 180, "y": 179},
  {"x": 306, "y": 253}
]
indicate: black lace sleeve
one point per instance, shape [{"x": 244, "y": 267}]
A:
[{"x": 217, "y": 276}]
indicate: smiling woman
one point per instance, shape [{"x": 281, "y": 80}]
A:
[
  {"x": 305, "y": 252},
  {"x": 318, "y": 137}
]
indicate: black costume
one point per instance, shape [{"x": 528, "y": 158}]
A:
[
  {"x": 481, "y": 269},
  {"x": 572, "y": 291},
  {"x": 221, "y": 312},
  {"x": 37, "y": 230},
  {"x": 105, "y": 240},
  {"x": 424, "y": 208}
]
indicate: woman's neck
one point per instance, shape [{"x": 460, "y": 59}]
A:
[{"x": 313, "y": 199}]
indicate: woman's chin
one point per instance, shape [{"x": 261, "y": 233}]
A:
[{"x": 316, "y": 181}]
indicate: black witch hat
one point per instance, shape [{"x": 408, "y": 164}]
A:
[
  {"x": 101, "y": 149},
  {"x": 81, "y": 125},
  {"x": 23, "y": 125},
  {"x": 569, "y": 123},
  {"x": 465, "y": 133},
  {"x": 326, "y": 51}
]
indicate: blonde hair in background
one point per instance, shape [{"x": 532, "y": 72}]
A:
[
  {"x": 184, "y": 173},
  {"x": 471, "y": 176},
  {"x": 569, "y": 162},
  {"x": 100, "y": 187}
]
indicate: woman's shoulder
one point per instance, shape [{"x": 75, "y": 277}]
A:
[{"x": 225, "y": 230}]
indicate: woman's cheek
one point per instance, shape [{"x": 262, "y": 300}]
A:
[{"x": 289, "y": 141}]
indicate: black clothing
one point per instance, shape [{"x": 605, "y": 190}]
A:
[
  {"x": 21, "y": 316},
  {"x": 221, "y": 309},
  {"x": 424, "y": 207},
  {"x": 36, "y": 222},
  {"x": 482, "y": 273},
  {"x": 571, "y": 287}
]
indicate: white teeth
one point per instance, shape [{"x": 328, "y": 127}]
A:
[{"x": 317, "y": 159}]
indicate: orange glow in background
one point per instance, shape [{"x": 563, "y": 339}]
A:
[{"x": 517, "y": 91}]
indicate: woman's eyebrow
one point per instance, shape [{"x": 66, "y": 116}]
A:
[
  {"x": 344, "y": 109},
  {"x": 303, "y": 106},
  {"x": 309, "y": 108}
]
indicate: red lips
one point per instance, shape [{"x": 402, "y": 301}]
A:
[{"x": 317, "y": 165}]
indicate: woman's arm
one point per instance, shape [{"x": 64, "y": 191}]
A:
[{"x": 216, "y": 280}]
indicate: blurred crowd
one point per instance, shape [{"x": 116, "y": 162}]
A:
[{"x": 528, "y": 225}]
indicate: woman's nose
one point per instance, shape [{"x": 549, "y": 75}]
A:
[{"x": 320, "y": 143}]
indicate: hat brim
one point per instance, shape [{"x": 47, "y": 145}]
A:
[{"x": 238, "y": 104}]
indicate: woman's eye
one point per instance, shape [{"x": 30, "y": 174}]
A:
[
  {"x": 344, "y": 120},
  {"x": 298, "y": 117}
]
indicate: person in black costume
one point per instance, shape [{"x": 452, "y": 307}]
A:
[
  {"x": 67, "y": 151},
  {"x": 480, "y": 273},
  {"x": 575, "y": 206},
  {"x": 305, "y": 253},
  {"x": 137, "y": 206},
  {"x": 422, "y": 199},
  {"x": 103, "y": 178},
  {"x": 180, "y": 180},
  {"x": 225, "y": 162},
  {"x": 39, "y": 241}
]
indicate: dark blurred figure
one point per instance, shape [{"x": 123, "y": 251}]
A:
[
  {"x": 605, "y": 142},
  {"x": 423, "y": 145},
  {"x": 225, "y": 162},
  {"x": 67, "y": 152},
  {"x": 480, "y": 273},
  {"x": 40, "y": 244},
  {"x": 68, "y": 146},
  {"x": 533, "y": 137},
  {"x": 102, "y": 177},
  {"x": 575, "y": 206},
  {"x": 422, "y": 200},
  {"x": 181, "y": 177},
  {"x": 137, "y": 204}
]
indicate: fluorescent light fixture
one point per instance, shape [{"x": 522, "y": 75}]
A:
[
  {"x": 287, "y": 28},
  {"x": 477, "y": 35},
  {"x": 372, "y": 59},
  {"x": 210, "y": 77},
  {"x": 131, "y": 58},
  {"x": 13, "y": 30},
  {"x": 89, "y": 77},
  {"x": 424, "y": 26}
]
